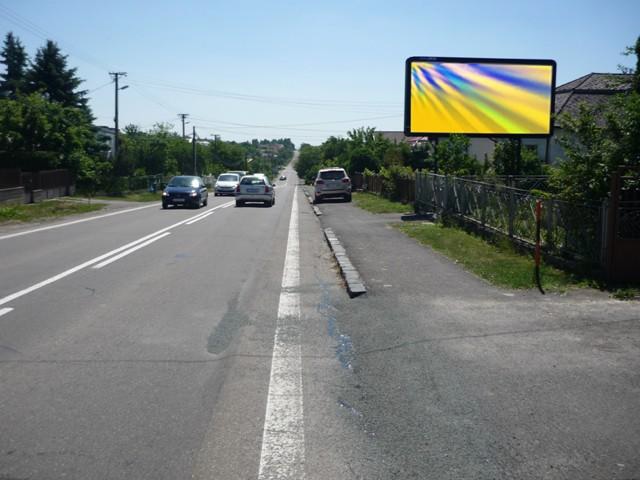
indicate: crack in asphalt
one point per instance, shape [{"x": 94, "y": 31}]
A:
[{"x": 494, "y": 334}]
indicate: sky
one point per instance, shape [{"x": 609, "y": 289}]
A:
[{"x": 248, "y": 69}]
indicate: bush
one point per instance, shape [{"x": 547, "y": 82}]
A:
[{"x": 392, "y": 178}]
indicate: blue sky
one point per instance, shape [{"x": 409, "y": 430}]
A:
[{"x": 305, "y": 70}]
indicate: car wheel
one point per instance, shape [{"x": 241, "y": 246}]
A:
[
  {"x": 273, "y": 202},
  {"x": 164, "y": 206},
  {"x": 316, "y": 200},
  {"x": 347, "y": 198},
  {"x": 238, "y": 203},
  {"x": 215, "y": 194},
  {"x": 206, "y": 202}
]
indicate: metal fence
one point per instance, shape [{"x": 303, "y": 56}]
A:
[
  {"x": 402, "y": 189},
  {"x": 570, "y": 231}
]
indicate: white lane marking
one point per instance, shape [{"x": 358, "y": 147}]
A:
[
  {"x": 51, "y": 227},
  {"x": 131, "y": 250},
  {"x": 201, "y": 217},
  {"x": 88, "y": 263},
  {"x": 228, "y": 205},
  {"x": 282, "y": 455},
  {"x": 4, "y": 311}
]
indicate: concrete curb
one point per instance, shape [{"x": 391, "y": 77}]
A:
[
  {"x": 316, "y": 210},
  {"x": 355, "y": 285}
]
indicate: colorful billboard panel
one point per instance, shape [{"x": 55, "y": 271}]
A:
[{"x": 479, "y": 97}]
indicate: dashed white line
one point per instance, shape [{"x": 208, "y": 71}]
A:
[
  {"x": 59, "y": 225},
  {"x": 131, "y": 250},
  {"x": 197, "y": 219},
  {"x": 283, "y": 455},
  {"x": 4, "y": 311},
  {"x": 88, "y": 263}
]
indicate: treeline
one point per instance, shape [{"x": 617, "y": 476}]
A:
[
  {"x": 365, "y": 150},
  {"x": 162, "y": 151},
  {"x": 46, "y": 123}
]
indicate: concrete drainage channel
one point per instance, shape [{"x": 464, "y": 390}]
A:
[{"x": 353, "y": 281}]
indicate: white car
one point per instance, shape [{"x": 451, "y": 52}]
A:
[
  {"x": 226, "y": 184},
  {"x": 253, "y": 188},
  {"x": 332, "y": 182}
]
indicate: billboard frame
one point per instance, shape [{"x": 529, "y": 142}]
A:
[{"x": 507, "y": 61}]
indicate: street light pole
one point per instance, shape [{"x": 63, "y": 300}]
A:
[
  {"x": 115, "y": 76},
  {"x": 193, "y": 147}
]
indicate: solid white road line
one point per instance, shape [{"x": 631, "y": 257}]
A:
[
  {"x": 51, "y": 227},
  {"x": 4, "y": 311},
  {"x": 282, "y": 455},
  {"x": 131, "y": 250},
  {"x": 88, "y": 263}
]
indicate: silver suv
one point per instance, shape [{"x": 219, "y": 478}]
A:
[{"x": 332, "y": 182}]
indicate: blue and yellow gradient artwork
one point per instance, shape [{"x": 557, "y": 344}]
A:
[{"x": 480, "y": 98}]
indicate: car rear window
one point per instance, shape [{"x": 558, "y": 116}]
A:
[
  {"x": 332, "y": 175},
  {"x": 252, "y": 181},
  {"x": 228, "y": 178}
]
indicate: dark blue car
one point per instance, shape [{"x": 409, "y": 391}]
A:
[{"x": 185, "y": 191}]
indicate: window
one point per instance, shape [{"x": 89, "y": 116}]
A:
[{"x": 332, "y": 175}]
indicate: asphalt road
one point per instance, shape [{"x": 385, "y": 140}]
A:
[{"x": 220, "y": 344}]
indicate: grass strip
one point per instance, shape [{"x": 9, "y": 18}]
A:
[
  {"x": 500, "y": 264},
  {"x": 377, "y": 204},
  {"x": 132, "y": 197},
  {"x": 47, "y": 209}
]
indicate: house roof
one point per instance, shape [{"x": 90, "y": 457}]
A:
[
  {"x": 594, "y": 89},
  {"x": 400, "y": 137}
]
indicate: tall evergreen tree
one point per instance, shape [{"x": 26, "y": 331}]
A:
[
  {"x": 50, "y": 75},
  {"x": 14, "y": 58}
]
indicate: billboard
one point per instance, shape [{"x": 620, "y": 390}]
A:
[{"x": 479, "y": 96}]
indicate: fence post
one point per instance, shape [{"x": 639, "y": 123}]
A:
[
  {"x": 604, "y": 232},
  {"x": 511, "y": 212},
  {"x": 549, "y": 210},
  {"x": 483, "y": 204}
]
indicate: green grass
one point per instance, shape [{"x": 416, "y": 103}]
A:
[
  {"x": 498, "y": 264},
  {"x": 376, "y": 204},
  {"x": 46, "y": 209},
  {"x": 133, "y": 197}
]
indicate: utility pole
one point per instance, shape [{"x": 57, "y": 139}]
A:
[
  {"x": 193, "y": 147},
  {"x": 183, "y": 116},
  {"x": 115, "y": 76}
]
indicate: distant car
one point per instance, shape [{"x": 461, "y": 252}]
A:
[
  {"x": 185, "y": 191},
  {"x": 226, "y": 184},
  {"x": 332, "y": 182},
  {"x": 283, "y": 177},
  {"x": 253, "y": 188}
]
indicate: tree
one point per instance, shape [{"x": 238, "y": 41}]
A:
[
  {"x": 14, "y": 58},
  {"x": 505, "y": 163},
  {"x": 38, "y": 134},
  {"x": 50, "y": 75},
  {"x": 597, "y": 141},
  {"x": 452, "y": 156}
]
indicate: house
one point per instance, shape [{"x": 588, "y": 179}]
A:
[
  {"x": 593, "y": 90},
  {"x": 108, "y": 136}
]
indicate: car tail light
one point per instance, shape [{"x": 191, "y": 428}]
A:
[
  {"x": 266, "y": 189},
  {"x": 345, "y": 180},
  {"x": 238, "y": 189},
  {"x": 319, "y": 182}
]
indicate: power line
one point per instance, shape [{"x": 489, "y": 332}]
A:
[
  {"x": 289, "y": 101},
  {"x": 29, "y": 26}
]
